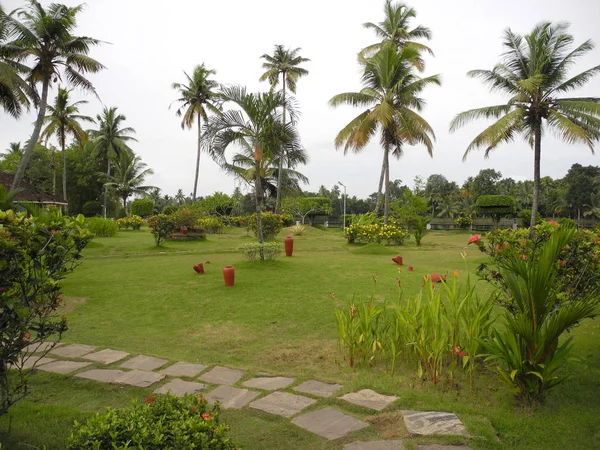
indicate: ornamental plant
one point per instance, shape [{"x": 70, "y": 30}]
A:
[
  {"x": 270, "y": 251},
  {"x": 463, "y": 221},
  {"x": 164, "y": 422},
  {"x": 134, "y": 222},
  {"x": 161, "y": 227},
  {"x": 375, "y": 232},
  {"x": 212, "y": 225},
  {"x": 272, "y": 224},
  {"x": 36, "y": 254},
  {"x": 101, "y": 227},
  {"x": 143, "y": 207}
]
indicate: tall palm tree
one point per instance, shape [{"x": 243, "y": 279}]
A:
[
  {"x": 533, "y": 72},
  {"x": 394, "y": 29},
  {"x": 198, "y": 96},
  {"x": 255, "y": 126},
  {"x": 45, "y": 36},
  {"x": 284, "y": 62},
  {"x": 110, "y": 139},
  {"x": 62, "y": 120},
  {"x": 390, "y": 94},
  {"x": 129, "y": 176}
]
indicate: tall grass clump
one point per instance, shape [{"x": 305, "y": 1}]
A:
[{"x": 101, "y": 227}]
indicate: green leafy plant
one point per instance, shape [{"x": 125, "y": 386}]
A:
[
  {"x": 143, "y": 207},
  {"x": 161, "y": 227},
  {"x": 379, "y": 233},
  {"x": 133, "y": 222},
  {"x": 101, "y": 227},
  {"x": 270, "y": 250},
  {"x": 163, "y": 422},
  {"x": 495, "y": 206},
  {"x": 271, "y": 225},
  {"x": 463, "y": 221},
  {"x": 92, "y": 208},
  {"x": 298, "y": 230},
  {"x": 212, "y": 225}
]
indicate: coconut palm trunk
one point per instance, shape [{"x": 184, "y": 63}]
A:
[
  {"x": 198, "y": 156},
  {"x": 281, "y": 157},
  {"x": 106, "y": 189},
  {"x": 34, "y": 137},
  {"x": 380, "y": 187},
  {"x": 53, "y": 168},
  {"x": 386, "y": 202},
  {"x": 537, "y": 153},
  {"x": 259, "y": 198},
  {"x": 64, "y": 173}
]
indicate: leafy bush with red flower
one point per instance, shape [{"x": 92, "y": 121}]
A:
[
  {"x": 272, "y": 224},
  {"x": 161, "y": 227}
]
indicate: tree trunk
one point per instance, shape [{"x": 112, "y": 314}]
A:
[
  {"x": 258, "y": 194},
  {"x": 386, "y": 203},
  {"x": 537, "y": 152},
  {"x": 198, "y": 156},
  {"x": 105, "y": 188},
  {"x": 53, "y": 167},
  {"x": 380, "y": 188},
  {"x": 34, "y": 137},
  {"x": 64, "y": 174},
  {"x": 281, "y": 158}
]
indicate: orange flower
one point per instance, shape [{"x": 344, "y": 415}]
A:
[
  {"x": 473, "y": 239},
  {"x": 457, "y": 351},
  {"x": 206, "y": 416},
  {"x": 456, "y": 273},
  {"x": 150, "y": 399}
]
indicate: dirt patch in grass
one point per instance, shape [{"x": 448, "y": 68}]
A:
[
  {"x": 70, "y": 303},
  {"x": 301, "y": 356},
  {"x": 389, "y": 425}
]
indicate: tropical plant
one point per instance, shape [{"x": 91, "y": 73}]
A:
[
  {"x": 101, "y": 227},
  {"x": 198, "y": 97},
  {"x": 533, "y": 72},
  {"x": 110, "y": 140},
  {"x": 284, "y": 62},
  {"x": 265, "y": 251},
  {"x": 129, "y": 176},
  {"x": 62, "y": 120},
  {"x": 45, "y": 37},
  {"x": 390, "y": 94}
]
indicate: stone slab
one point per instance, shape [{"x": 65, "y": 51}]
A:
[
  {"x": 318, "y": 388},
  {"x": 442, "y": 447},
  {"x": 230, "y": 397},
  {"x": 106, "y": 356},
  {"x": 269, "y": 383},
  {"x": 64, "y": 366},
  {"x": 40, "y": 347},
  {"x": 179, "y": 387},
  {"x": 282, "y": 403},
  {"x": 73, "y": 350},
  {"x": 222, "y": 375},
  {"x": 329, "y": 423},
  {"x": 430, "y": 423},
  {"x": 29, "y": 362},
  {"x": 143, "y": 362},
  {"x": 375, "y": 445},
  {"x": 102, "y": 375},
  {"x": 183, "y": 369},
  {"x": 369, "y": 399},
  {"x": 139, "y": 378}
]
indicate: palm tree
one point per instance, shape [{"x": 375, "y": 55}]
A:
[
  {"x": 62, "y": 120},
  {"x": 394, "y": 29},
  {"x": 110, "y": 139},
  {"x": 256, "y": 127},
  {"x": 197, "y": 96},
  {"x": 14, "y": 148},
  {"x": 533, "y": 73},
  {"x": 390, "y": 94},
  {"x": 129, "y": 176},
  {"x": 45, "y": 36},
  {"x": 284, "y": 62}
]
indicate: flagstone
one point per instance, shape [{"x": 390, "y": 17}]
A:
[
  {"x": 442, "y": 447},
  {"x": 102, "y": 375},
  {"x": 40, "y": 347},
  {"x": 143, "y": 362},
  {"x": 282, "y": 403},
  {"x": 222, "y": 375},
  {"x": 329, "y": 423},
  {"x": 369, "y": 399},
  {"x": 73, "y": 350},
  {"x": 106, "y": 356},
  {"x": 375, "y": 445},
  {"x": 433, "y": 423},
  {"x": 64, "y": 366},
  {"x": 318, "y": 388},
  {"x": 269, "y": 383},
  {"x": 38, "y": 361},
  {"x": 183, "y": 369},
  {"x": 179, "y": 387},
  {"x": 231, "y": 397},
  {"x": 139, "y": 378}
]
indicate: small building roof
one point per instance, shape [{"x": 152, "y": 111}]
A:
[{"x": 28, "y": 192}]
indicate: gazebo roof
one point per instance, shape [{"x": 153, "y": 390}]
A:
[{"x": 28, "y": 192}]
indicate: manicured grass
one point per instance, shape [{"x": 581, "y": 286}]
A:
[{"x": 279, "y": 318}]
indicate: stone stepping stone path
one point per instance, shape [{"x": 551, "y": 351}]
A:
[
  {"x": 318, "y": 388},
  {"x": 139, "y": 378},
  {"x": 222, "y": 375},
  {"x": 375, "y": 445},
  {"x": 40, "y": 347},
  {"x": 283, "y": 403},
  {"x": 183, "y": 369},
  {"x": 369, "y": 399},
  {"x": 231, "y": 397},
  {"x": 179, "y": 387},
  {"x": 29, "y": 362},
  {"x": 269, "y": 383},
  {"x": 102, "y": 375},
  {"x": 329, "y": 423},
  {"x": 73, "y": 350},
  {"x": 428, "y": 423},
  {"x": 143, "y": 362},
  {"x": 64, "y": 366},
  {"x": 106, "y": 356}
]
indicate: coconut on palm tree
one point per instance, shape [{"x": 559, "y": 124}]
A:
[
  {"x": 129, "y": 176},
  {"x": 110, "y": 140},
  {"x": 45, "y": 37},
  {"x": 198, "y": 97},
  {"x": 534, "y": 73},
  {"x": 284, "y": 62},
  {"x": 62, "y": 120},
  {"x": 390, "y": 94}
]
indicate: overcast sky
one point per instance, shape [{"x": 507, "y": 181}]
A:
[{"x": 152, "y": 42}]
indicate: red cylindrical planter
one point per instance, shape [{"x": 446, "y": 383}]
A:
[
  {"x": 289, "y": 246},
  {"x": 228, "y": 275}
]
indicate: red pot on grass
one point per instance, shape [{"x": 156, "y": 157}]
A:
[
  {"x": 398, "y": 260},
  {"x": 228, "y": 275},
  {"x": 199, "y": 268},
  {"x": 183, "y": 230},
  {"x": 289, "y": 246}
]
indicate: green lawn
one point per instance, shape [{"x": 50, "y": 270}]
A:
[{"x": 279, "y": 318}]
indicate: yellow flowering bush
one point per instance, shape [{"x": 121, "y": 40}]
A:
[{"x": 387, "y": 234}]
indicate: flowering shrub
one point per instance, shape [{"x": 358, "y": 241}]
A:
[
  {"x": 161, "y": 227},
  {"x": 271, "y": 224},
  {"x": 463, "y": 221},
  {"x": 239, "y": 221},
  {"x": 389, "y": 234},
  {"x": 212, "y": 225},
  {"x": 270, "y": 250},
  {"x": 288, "y": 219},
  {"x": 133, "y": 222},
  {"x": 185, "y": 217},
  {"x": 163, "y": 422}
]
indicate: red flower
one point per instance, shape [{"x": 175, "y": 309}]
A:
[
  {"x": 150, "y": 399},
  {"x": 473, "y": 239},
  {"x": 457, "y": 351},
  {"x": 206, "y": 416},
  {"x": 410, "y": 268},
  {"x": 201, "y": 400},
  {"x": 398, "y": 281}
]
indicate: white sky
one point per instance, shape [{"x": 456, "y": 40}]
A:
[{"x": 153, "y": 42}]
